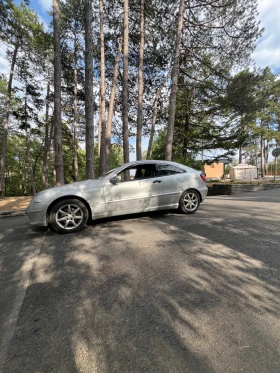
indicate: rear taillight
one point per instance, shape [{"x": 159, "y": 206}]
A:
[{"x": 203, "y": 177}]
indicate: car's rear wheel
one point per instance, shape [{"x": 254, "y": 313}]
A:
[
  {"x": 68, "y": 215},
  {"x": 189, "y": 202}
]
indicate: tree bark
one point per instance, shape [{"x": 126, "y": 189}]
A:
[
  {"x": 140, "y": 84},
  {"x": 29, "y": 163},
  {"x": 174, "y": 83},
  {"x": 185, "y": 140},
  {"x": 75, "y": 124},
  {"x": 155, "y": 110},
  {"x": 89, "y": 90},
  {"x": 262, "y": 156},
  {"x": 265, "y": 151},
  {"x": 125, "y": 85},
  {"x": 278, "y": 142},
  {"x": 102, "y": 158},
  {"x": 58, "y": 151},
  {"x": 46, "y": 158},
  {"x": 6, "y": 123},
  {"x": 111, "y": 104},
  {"x": 99, "y": 129}
]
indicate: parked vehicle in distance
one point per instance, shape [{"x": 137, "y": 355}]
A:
[{"x": 131, "y": 188}]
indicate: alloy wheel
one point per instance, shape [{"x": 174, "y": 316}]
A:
[{"x": 69, "y": 216}]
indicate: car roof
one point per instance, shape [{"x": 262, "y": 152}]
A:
[
  {"x": 151, "y": 161},
  {"x": 135, "y": 163}
]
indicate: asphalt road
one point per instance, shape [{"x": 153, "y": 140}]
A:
[{"x": 146, "y": 293}]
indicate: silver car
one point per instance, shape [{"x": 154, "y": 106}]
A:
[{"x": 131, "y": 188}]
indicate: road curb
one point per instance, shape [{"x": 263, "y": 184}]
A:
[{"x": 10, "y": 213}]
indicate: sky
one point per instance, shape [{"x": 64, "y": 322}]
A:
[{"x": 267, "y": 52}]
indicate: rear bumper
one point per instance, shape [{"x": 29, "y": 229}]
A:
[{"x": 203, "y": 193}]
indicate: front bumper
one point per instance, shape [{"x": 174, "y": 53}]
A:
[{"x": 37, "y": 213}]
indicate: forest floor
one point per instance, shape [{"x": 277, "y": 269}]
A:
[{"x": 14, "y": 203}]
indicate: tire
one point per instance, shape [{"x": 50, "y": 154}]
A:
[
  {"x": 189, "y": 202},
  {"x": 68, "y": 215}
]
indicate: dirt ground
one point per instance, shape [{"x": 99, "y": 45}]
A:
[{"x": 14, "y": 203}]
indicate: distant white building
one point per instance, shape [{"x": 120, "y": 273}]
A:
[{"x": 243, "y": 171}]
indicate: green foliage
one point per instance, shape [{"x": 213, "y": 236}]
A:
[
  {"x": 18, "y": 177},
  {"x": 3, "y": 92},
  {"x": 158, "y": 152},
  {"x": 116, "y": 157},
  {"x": 227, "y": 169},
  {"x": 20, "y": 26}
]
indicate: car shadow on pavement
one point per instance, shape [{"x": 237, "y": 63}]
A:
[
  {"x": 96, "y": 301},
  {"x": 150, "y": 293}
]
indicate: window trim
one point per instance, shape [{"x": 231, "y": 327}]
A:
[
  {"x": 168, "y": 165},
  {"x": 143, "y": 165}
]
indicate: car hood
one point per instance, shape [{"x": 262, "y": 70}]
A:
[{"x": 79, "y": 188}]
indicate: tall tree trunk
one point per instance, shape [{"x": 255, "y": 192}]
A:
[
  {"x": 75, "y": 102},
  {"x": 262, "y": 156},
  {"x": 140, "y": 84},
  {"x": 89, "y": 90},
  {"x": 266, "y": 145},
  {"x": 102, "y": 159},
  {"x": 99, "y": 129},
  {"x": 46, "y": 157},
  {"x": 185, "y": 140},
  {"x": 240, "y": 155},
  {"x": 29, "y": 163},
  {"x": 51, "y": 143},
  {"x": 278, "y": 142},
  {"x": 125, "y": 85},
  {"x": 111, "y": 104},
  {"x": 155, "y": 110},
  {"x": 174, "y": 83},
  {"x": 58, "y": 151},
  {"x": 6, "y": 123}
]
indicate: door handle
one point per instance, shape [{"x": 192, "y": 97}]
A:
[{"x": 157, "y": 181}]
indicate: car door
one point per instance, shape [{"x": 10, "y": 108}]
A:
[
  {"x": 171, "y": 176},
  {"x": 136, "y": 190}
]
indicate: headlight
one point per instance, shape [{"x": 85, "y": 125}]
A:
[{"x": 41, "y": 198}]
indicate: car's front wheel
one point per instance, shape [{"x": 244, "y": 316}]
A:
[
  {"x": 68, "y": 215},
  {"x": 189, "y": 202}
]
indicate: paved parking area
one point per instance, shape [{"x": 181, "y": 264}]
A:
[{"x": 146, "y": 293}]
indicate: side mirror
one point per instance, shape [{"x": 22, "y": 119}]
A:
[{"x": 115, "y": 180}]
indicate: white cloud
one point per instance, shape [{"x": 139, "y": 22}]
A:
[
  {"x": 4, "y": 63},
  {"x": 44, "y": 22},
  {"x": 46, "y": 4},
  {"x": 267, "y": 52}
]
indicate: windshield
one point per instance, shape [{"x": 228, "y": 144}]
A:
[{"x": 107, "y": 173}]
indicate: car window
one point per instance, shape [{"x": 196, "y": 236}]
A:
[
  {"x": 168, "y": 169},
  {"x": 127, "y": 174},
  {"x": 138, "y": 172}
]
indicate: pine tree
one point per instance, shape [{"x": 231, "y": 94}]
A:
[
  {"x": 21, "y": 31},
  {"x": 58, "y": 151},
  {"x": 90, "y": 173}
]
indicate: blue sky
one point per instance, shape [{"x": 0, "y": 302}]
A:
[{"x": 267, "y": 52}]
